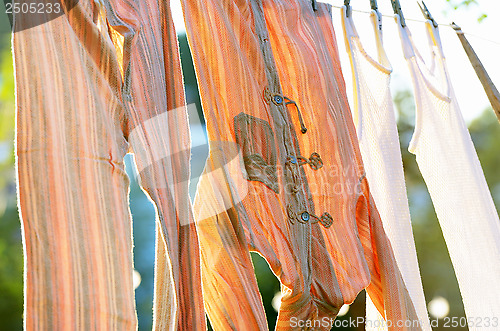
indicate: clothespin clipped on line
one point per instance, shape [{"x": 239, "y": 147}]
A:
[
  {"x": 374, "y": 6},
  {"x": 397, "y": 10},
  {"x": 427, "y": 13},
  {"x": 347, "y": 8},
  {"x": 315, "y": 5}
]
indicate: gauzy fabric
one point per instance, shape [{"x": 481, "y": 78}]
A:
[
  {"x": 379, "y": 144},
  {"x": 91, "y": 84},
  {"x": 284, "y": 176},
  {"x": 451, "y": 169}
]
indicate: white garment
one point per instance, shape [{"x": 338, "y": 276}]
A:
[
  {"x": 379, "y": 143},
  {"x": 451, "y": 169}
]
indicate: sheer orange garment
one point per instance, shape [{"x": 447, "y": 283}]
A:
[
  {"x": 284, "y": 176},
  {"x": 102, "y": 79}
]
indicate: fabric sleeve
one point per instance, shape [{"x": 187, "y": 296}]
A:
[
  {"x": 158, "y": 133},
  {"x": 162, "y": 157},
  {"x": 229, "y": 285}
]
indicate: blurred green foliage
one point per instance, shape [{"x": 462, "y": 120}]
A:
[
  {"x": 465, "y": 4},
  {"x": 437, "y": 272},
  {"x": 11, "y": 257}
]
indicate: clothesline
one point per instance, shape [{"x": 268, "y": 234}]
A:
[{"x": 422, "y": 21}]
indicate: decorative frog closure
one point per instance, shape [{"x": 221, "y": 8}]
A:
[{"x": 255, "y": 138}]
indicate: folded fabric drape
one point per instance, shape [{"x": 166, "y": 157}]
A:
[
  {"x": 379, "y": 144},
  {"x": 90, "y": 85},
  {"x": 284, "y": 176},
  {"x": 451, "y": 169}
]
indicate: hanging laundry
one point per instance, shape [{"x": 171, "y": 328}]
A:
[
  {"x": 284, "y": 176},
  {"x": 489, "y": 87},
  {"x": 90, "y": 84},
  {"x": 379, "y": 144},
  {"x": 450, "y": 167}
]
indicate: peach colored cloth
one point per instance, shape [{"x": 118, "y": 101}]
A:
[
  {"x": 284, "y": 176},
  {"x": 92, "y": 84}
]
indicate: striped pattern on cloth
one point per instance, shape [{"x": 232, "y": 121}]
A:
[
  {"x": 284, "y": 176},
  {"x": 91, "y": 85}
]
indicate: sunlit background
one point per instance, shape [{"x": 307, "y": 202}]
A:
[{"x": 479, "y": 20}]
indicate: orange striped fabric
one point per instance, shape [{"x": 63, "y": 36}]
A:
[
  {"x": 284, "y": 176},
  {"x": 91, "y": 85}
]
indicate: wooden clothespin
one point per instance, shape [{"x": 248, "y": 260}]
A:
[
  {"x": 427, "y": 13},
  {"x": 397, "y": 10}
]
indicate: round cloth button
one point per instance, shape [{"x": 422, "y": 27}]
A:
[
  {"x": 278, "y": 99},
  {"x": 292, "y": 159},
  {"x": 305, "y": 216}
]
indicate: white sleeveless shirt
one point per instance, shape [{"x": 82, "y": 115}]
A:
[
  {"x": 379, "y": 143},
  {"x": 450, "y": 167}
]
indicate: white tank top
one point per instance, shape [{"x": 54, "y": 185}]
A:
[
  {"x": 450, "y": 167},
  {"x": 379, "y": 143}
]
